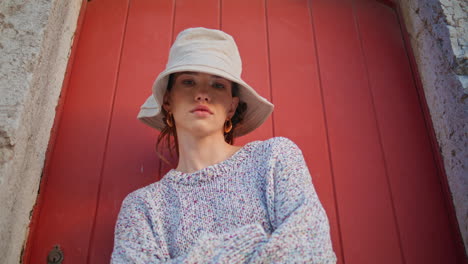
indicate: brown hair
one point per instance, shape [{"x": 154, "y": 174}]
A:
[{"x": 169, "y": 134}]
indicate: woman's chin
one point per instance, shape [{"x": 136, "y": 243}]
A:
[{"x": 200, "y": 129}]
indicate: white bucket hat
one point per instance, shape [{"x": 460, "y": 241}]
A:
[{"x": 209, "y": 51}]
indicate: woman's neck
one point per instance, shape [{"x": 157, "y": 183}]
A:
[{"x": 196, "y": 153}]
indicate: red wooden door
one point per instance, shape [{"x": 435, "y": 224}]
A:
[{"x": 339, "y": 75}]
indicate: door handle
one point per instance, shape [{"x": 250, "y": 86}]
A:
[{"x": 55, "y": 255}]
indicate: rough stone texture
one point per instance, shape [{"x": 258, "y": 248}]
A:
[
  {"x": 438, "y": 33},
  {"x": 35, "y": 41},
  {"x": 457, "y": 22},
  {"x": 456, "y": 13}
]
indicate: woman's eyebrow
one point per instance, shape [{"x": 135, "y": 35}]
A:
[{"x": 219, "y": 77}]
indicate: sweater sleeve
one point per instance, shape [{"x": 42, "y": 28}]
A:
[
  {"x": 137, "y": 240},
  {"x": 301, "y": 229}
]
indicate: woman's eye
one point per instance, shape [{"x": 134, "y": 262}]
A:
[
  {"x": 219, "y": 85},
  {"x": 188, "y": 82}
]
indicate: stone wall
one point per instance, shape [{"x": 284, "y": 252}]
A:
[
  {"x": 438, "y": 31},
  {"x": 35, "y": 41}
]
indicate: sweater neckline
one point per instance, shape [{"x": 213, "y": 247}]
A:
[{"x": 221, "y": 168}]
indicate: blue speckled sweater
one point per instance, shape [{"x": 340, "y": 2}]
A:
[{"x": 258, "y": 206}]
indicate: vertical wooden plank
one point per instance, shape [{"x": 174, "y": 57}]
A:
[
  {"x": 245, "y": 20},
  {"x": 200, "y": 13},
  {"x": 422, "y": 217},
  {"x": 368, "y": 227},
  {"x": 131, "y": 161},
  {"x": 70, "y": 191},
  {"x": 296, "y": 93}
]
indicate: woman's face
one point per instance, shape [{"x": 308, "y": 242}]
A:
[{"x": 193, "y": 90}]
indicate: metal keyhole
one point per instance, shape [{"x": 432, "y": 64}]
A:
[{"x": 55, "y": 255}]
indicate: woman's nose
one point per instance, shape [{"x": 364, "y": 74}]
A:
[
  {"x": 202, "y": 98},
  {"x": 202, "y": 94}
]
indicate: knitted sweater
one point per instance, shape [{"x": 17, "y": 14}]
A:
[{"x": 258, "y": 206}]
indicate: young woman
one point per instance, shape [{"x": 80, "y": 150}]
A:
[{"x": 223, "y": 203}]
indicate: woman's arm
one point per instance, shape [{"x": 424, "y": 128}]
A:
[
  {"x": 301, "y": 228},
  {"x": 136, "y": 240}
]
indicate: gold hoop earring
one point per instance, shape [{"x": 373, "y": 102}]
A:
[
  {"x": 169, "y": 120},
  {"x": 229, "y": 126}
]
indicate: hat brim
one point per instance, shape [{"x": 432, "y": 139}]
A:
[{"x": 258, "y": 108}]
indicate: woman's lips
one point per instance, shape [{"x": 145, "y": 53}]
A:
[
  {"x": 201, "y": 109},
  {"x": 201, "y": 113}
]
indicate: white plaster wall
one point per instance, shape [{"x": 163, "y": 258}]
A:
[
  {"x": 438, "y": 32},
  {"x": 35, "y": 41}
]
